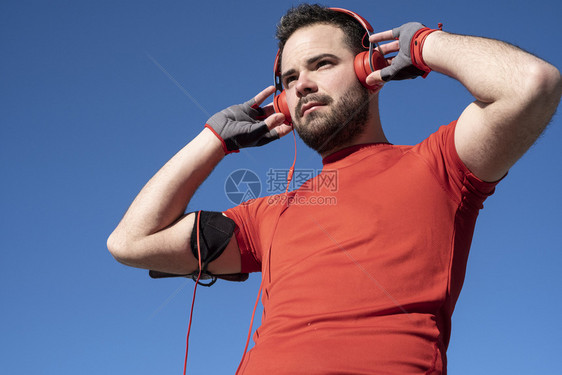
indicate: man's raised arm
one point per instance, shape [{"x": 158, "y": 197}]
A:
[
  {"x": 155, "y": 232},
  {"x": 516, "y": 96}
]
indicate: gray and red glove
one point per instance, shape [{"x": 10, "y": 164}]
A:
[
  {"x": 240, "y": 126},
  {"x": 408, "y": 63}
]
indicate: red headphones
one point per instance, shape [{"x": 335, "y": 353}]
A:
[{"x": 365, "y": 63}]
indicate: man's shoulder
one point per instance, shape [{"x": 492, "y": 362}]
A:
[{"x": 259, "y": 206}]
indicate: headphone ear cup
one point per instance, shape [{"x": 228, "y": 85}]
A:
[
  {"x": 363, "y": 68},
  {"x": 280, "y": 106}
]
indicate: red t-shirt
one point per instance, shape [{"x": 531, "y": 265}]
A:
[{"x": 362, "y": 268}]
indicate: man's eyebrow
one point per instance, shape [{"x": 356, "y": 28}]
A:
[{"x": 310, "y": 61}]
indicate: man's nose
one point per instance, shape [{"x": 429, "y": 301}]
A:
[{"x": 305, "y": 85}]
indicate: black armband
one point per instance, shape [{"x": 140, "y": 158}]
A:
[{"x": 215, "y": 232}]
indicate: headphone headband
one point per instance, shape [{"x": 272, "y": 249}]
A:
[
  {"x": 277, "y": 72},
  {"x": 359, "y": 19}
]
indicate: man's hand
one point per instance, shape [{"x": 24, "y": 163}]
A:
[
  {"x": 248, "y": 124},
  {"x": 401, "y": 66}
]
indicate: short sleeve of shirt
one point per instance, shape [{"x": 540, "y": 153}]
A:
[
  {"x": 439, "y": 152},
  {"x": 255, "y": 222}
]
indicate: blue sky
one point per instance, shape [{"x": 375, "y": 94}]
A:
[{"x": 96, "y": 95}]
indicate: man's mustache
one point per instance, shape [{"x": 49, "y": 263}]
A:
[{"x": 320, "y": 98}]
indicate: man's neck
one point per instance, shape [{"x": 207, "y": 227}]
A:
[{"x": 372, "y": 133}]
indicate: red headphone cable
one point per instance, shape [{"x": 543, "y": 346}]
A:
[
  {"x": 292, "y": 169},
  {"x": 193, "y": 300},
  {"x": 250, "y": 330}
]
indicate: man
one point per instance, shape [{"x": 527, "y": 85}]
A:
[{"x": 366, "y": 285}]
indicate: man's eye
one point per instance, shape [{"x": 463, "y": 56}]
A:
[
  {"x": 323, "y": 63},
  {"x": 289, "y": 80}
]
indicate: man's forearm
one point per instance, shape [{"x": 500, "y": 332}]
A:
[
  {"x": 155, "y": 233},
  {"x": 490, "y": 69},
  {"x": 164, "y": 199}
]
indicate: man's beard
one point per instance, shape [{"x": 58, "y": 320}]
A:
[{"x": 327, "y": 132}]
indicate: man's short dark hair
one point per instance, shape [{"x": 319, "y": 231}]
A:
[{"x": 310, "y": 14}]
